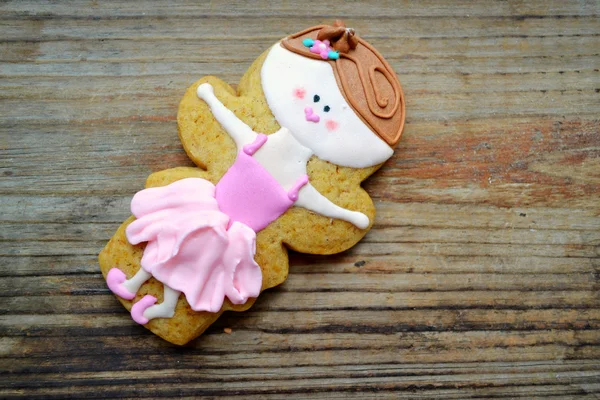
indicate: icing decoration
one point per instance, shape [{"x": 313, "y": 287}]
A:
[
  {"x": 310, "y": 115},
  {"x": 352, "y": 144},
  {"x": 331, "y": 125},
  {"x": 308, "y": 42},
  {"x": 166, "y": 309},
  {"x": 293, "y": 193},
  {"x": 366, "y": 80},
  {"x": 138, "y": 309},
  {"x": 321, "y": 48},
  {"x": 249, "y": 194},
  {"x": 344, "y": 39},
  {"x": 251, "y": 148},
  {"x": 284, "y": 156},
  {"x": 133, "y": 285},
  {"x": 115, "y": 280},
  {"x": 189, "y": 247},
  {"x": 299, "y": 93}
]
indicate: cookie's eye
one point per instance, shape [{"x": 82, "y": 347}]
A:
[
  {"x": 316, "y": 98},
  {"x": 326, "y": 108}
]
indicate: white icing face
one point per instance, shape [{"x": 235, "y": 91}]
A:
[{"x": 304, "y": 97}]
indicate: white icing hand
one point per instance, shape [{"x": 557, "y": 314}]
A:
[
  {"x": 205, "y": 91},
  {"x": 360, "y": 220}
]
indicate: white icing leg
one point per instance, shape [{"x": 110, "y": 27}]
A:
[
  {"x": 166, "y": 309},
  {"x": 133, "y": 284},
  {"x": 240, "y": 132}
]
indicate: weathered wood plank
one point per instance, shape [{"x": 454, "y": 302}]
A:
[
  {"x": 317, "y": 385},
  {"x": 21, "y": 350},
  {"x": 387, "y": 9},
  {"x": 531, "y": 392},
  {"x": 100, "y": 301},
  {"x": 160, "y": 28},
  {"x": 290, "y": 357},
  {"x": 188, "y": 50},
  {"x": 326, "y": 321}
]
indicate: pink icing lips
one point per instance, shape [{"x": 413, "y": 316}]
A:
[{"x": 310, "y": 115}]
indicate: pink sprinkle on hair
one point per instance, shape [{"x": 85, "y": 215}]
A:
[
  {"x": 299, "y": 93},
  {"x": 331, "y": 125}
]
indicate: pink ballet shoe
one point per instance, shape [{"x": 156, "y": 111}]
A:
[
  {"x": 114, "y": 280},
  {"x": 137, "y": 311}
]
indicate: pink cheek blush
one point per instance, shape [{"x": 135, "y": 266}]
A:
[
  {"x": 331, "y": 125},
  {"x": 299, "y": 93}
]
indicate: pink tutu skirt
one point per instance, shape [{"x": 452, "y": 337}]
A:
[{"x": 191, "y": 247}]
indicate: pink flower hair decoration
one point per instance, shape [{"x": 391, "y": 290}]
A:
[{"x": 321, "y": 48}]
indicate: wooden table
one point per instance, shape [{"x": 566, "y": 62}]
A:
[{"x": 479, "y": 279}]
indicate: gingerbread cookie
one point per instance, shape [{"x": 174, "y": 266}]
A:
[{"x": 280, "y": 162}]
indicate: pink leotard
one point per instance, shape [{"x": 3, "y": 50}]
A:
[
  {"x": 249, "y": 194},
  {"x": 201, "y": 239}
]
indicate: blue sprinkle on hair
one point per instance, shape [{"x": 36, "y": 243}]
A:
[{"x": 308, "y": 42}]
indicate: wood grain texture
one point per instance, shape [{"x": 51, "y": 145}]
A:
[{"x": 479, "y": 279}]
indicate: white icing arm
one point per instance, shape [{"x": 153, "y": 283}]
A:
[
  {"x": 240, "y": 132},
  {"x": 310, "y": 198}
]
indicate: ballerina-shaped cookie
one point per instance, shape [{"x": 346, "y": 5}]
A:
[{"x": 335, "y": 109}]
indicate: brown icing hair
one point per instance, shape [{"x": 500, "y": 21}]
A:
[{"x": 366, "y": 80}]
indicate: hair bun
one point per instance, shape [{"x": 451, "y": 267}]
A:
[{"x": 342, "y": 39}]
